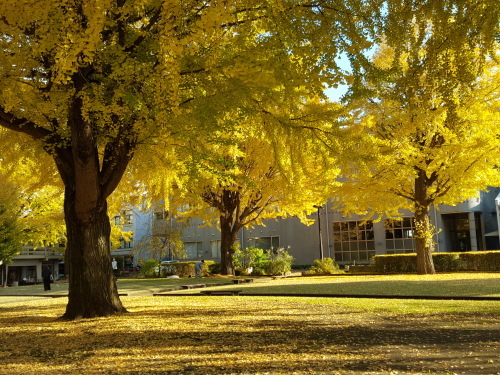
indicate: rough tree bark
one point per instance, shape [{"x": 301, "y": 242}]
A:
[
  {"x": 88, "y": 183},
  {"x": 229, "y": 232},
  {"x": 423, "y": 227},
  {"x": 92, "y": 289},
  {"x": 92, "y": 286}
]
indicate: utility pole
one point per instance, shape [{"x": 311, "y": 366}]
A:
[{"x": 319, "y": 232}]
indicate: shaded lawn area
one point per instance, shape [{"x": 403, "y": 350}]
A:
[
  {"x": 253, "y": 335},
  {"x": 132, "y": 286}
]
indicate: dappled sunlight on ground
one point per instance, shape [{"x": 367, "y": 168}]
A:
[{"x": 249, "y": 335}]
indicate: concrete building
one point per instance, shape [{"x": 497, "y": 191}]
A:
[
  {"x": 469, "y": 226},
  {"x": 138, "y": 223},
  {"x": 26, "y": 267}
]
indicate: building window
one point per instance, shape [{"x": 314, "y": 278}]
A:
[
  {"x": 161, "y": 215},
  {"x": 265, "y": 243},
  {"x": 457, "y": 230},
  {"x": 127, "y": 218},
  {"x": 353, "y": 241},
  {"x": 31, "y": 275},
  {"x": 215, "y": 248},
  {"x": 193, "y": 249},
  {"x": 127, "y": 244},
  {"x": 400, "y": 235}
]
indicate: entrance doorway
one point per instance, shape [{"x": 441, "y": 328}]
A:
[{"x": 458, "y": 229}]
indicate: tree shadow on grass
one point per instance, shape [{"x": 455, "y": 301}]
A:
[{"x": 250, "y": 339}]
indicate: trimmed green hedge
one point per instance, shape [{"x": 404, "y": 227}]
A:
[{"x": 443, "y": 262}]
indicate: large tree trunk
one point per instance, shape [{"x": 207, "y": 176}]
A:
[
  {"x": 228, "y": 239},
  {"x": 92, "y": 287},
  {"x": 423, "y": 227}
]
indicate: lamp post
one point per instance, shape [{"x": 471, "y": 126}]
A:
[{"x": 319, "y": 233}]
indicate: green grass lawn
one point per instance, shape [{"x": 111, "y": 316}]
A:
[
  {"x": 483, "y": 284},
  {"x": 200, "y": 335}
]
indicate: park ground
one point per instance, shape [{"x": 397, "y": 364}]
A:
[{"x": 179, "y": 334}]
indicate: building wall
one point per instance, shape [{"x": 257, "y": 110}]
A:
[{"x": 478, "y": 213}]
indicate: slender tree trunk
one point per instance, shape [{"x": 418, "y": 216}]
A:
[
  {"x": 3, "y": 275},
  {"x": 424, "y": 228},
  {"x": 92, "y": 287}
]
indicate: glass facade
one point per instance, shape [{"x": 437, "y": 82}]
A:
[
  {"x": 353, "y": 241},
  {"x": 193, "y": 249},
  {"x": 400, "y": 235},
  {"x": 215, "y": 248},
  {"x": 265, "y": 243}
]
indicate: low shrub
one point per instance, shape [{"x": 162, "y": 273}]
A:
[
  {"x": 325, "y": 266},
  {"x": 250, "y": 260},
  {"x": 279, "y": 263},
  {"x": 149, "y": 268},
  {"x": 443, "y": 262},
  {"x": 214, "y": 268},
  {"x": 397, "y": 263},
  {"x": 481, "y": 260},
  {"x": 363, "y": 269}
]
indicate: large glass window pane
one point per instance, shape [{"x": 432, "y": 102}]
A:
[
  {"x": 407, "y": 233},
  {"x": 275, "y": 242},
  {"x": 215, "y": 248},
  {"x": 199, "y": 249},
  {"x": 363, "y": 255},
  {"x": 409, "y": 244},
  {"x": 191, "y": 249},
  {"x": 350, "y": 237},
  {"x": 263, "y": 243}
]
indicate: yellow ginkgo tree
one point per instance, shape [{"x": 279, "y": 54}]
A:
[
  {"x": 242, "y": 182},
  {"x": 428, "y": 115},
  {"x": 98, "y": 85}
]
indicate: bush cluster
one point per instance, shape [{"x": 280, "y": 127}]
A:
[
  {"x": 443, "y": 262},
  {"x": 183, "y": 269},
  {"x": 256, "y": 262},
  {"x": 325, "y": 266}
]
